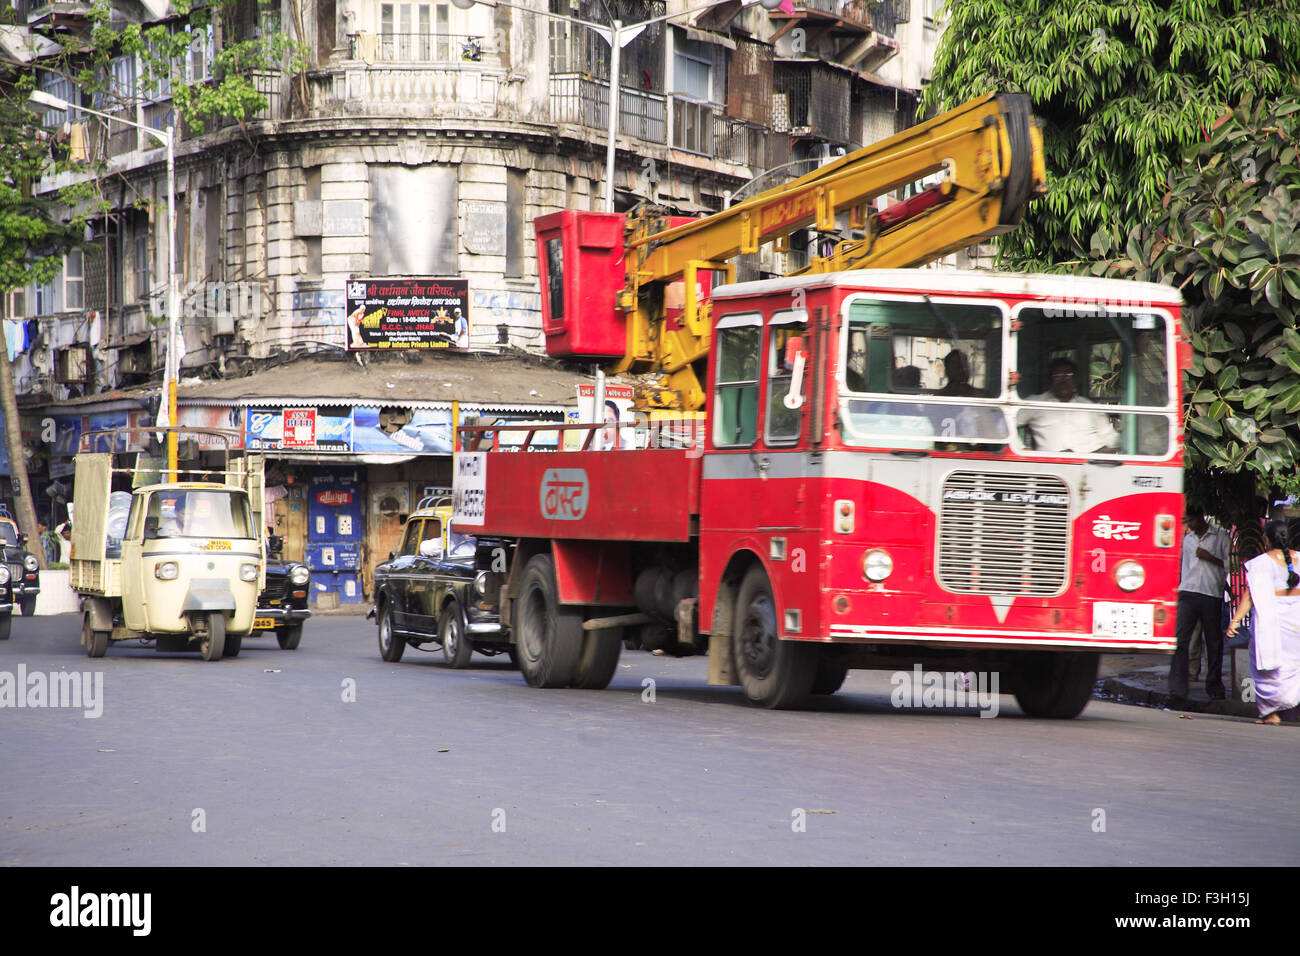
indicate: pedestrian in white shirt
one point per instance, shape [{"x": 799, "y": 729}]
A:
[
  {"x": 1200, "y": 599},
  {"x": 1067, "y": 430}
]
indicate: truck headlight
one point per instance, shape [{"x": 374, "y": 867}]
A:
[
  {"x": 877, "y": 565},
  {"x": 300, "y": 575},
  {"x": 4, "y": 574},
  {"x": 248, "y": 572},
  {"x": 166, "y": 570},
  {"x": 1129, "y": 575},
  {"x": 30, "y": 562}
]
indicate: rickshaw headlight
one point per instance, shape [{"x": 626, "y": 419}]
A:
[
  {"x": 1129, "y": 575},
  {"x": 300, "y": 575},
  {"x": 4, "y": 574},
  {"x": 166, "y": 570},
  {"x": 877, "y": 565},
  {"x": 30, "y": 562},
  {"x": 248, "y": 572}
]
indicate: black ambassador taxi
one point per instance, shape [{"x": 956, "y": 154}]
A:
[
  {"x": 430, "y": 590},
  {"x": 282, "y": 605}
]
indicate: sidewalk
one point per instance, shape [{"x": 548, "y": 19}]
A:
[{"x": 1144, "y": 679}]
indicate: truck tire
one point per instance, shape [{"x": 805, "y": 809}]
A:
[
  {"x": 214, "y": 644},
  {"x": 234, "y": 644},
  {"x": 774, "y": 673},
  {"x": 549, "y": 635},
  {"x": 27, "y": 606},
  {"x": 1055, "y": 685},
  {"x": 456, "y": 648},
  {"x": 289, "y": 637},
  {"x": 390, "y": 645},
  {"x": 598, "y": 661},
  {"x": 95, "y": 642},
  {"x": 830, "y": 674}
]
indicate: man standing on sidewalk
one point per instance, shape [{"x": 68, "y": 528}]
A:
[{"x": 1200, "y": 600}]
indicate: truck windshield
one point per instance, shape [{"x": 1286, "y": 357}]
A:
[
  {"x": 914, "y": 374},
  {"x": 198, "y": 514},
  {"x": 1074, "y": 357}
]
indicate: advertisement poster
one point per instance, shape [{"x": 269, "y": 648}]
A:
[
  {"x": 408, "y": 314},
  {"x": 317, "y": 429},
  {"x": 299, "y": 428},
  {"x": 427, "y": 432},
  {"x": 616, "y": 414},
  {"x": 213, "y": 416}
]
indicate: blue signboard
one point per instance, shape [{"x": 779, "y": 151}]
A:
[{"x": 427, "y": 433}]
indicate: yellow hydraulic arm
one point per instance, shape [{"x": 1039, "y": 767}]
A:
[{"x": 989, "y": 151}]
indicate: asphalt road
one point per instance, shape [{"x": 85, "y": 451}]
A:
[{"x": 264, "y": 759}]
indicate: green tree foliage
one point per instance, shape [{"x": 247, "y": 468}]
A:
[
  {"x": 1122, "y": 88},
  {"x": 1228, "y": 235},
  {"x": 33, "y": 233}
]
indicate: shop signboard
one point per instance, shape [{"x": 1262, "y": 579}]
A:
[
  {"x": 408, "y": 314},
  {"x": 422, "y": 431},
  {"x": 327, "y": 429}
]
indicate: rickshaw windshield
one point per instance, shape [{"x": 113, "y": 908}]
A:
[{"x": 198, "y": 514}]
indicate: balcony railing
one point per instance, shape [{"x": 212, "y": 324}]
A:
[
  {"x": 415, "y": 48},
  {"x": 882, "y": 16},
  {"x": 465, "y": 90},
  {"x": 579, "y": 101},
  {"x": 742, "y": 143}
]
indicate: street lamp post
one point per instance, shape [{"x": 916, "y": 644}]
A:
[
  {"x": 617, "y": 35},
  {"x": 168, "y": 139}
]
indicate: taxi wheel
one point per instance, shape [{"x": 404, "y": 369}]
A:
[
  {"x": 234, "y": 644},
  {"x": 288, "y": 637},
  {"x": 27, "y": 606},
  {"x": 456, "y": 650},
  {"x": 95, "y": 642},
  {"x": 1055, "y": 685},
  {"x": 7, "y": 623},
  {"x": 774, "y": 673},
  {"x": 213, "y": 645},
  {"x": 390, "y": 645},
  {"x": 548, "y": 634}
]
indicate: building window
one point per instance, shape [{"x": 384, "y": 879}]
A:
[
  {"x": 414, "y": 32},
  {"x": 142, "y": 262},
  {"x": 516, "y": 197},
  {"x": 44, "y": 299},
  {"x": 73, "y": 280}
]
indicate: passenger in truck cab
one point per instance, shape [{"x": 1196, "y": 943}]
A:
[{"x": 1068, "y": 431}]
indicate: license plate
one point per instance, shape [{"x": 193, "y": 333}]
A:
[
  {"x": 263, "y": 623},
  {"x": 1125, "y": 622}
]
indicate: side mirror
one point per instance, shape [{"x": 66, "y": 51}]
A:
[
  {"x": 151, "y": 528},
  {"x": 22, "y": 538},
  {"x": 275, "y": 545}
]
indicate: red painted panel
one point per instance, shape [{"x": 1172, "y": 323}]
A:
[
  {"x": 645, "y": 495},
  {"x": 593, "y": 572}
]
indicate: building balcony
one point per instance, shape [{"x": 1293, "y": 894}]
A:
[{"x": 576, "y": 100}]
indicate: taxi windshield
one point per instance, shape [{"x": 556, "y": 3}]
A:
[{"x": 198, "y": 514}]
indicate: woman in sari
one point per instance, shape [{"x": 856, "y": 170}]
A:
[{"x": 1273, "y": 593}]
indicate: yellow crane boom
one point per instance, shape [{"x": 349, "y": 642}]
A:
[{"x": 989, "y": 152}]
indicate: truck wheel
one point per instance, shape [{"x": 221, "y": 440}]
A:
[
  {"x": 27, "y": 606},
  {"x": 1055, "y": 685},
  {"x": 549, "y": 635},
  {"x": 234, "y": 644},
  {"x": 214, "y": 644},
  {"x": 774, "y": 673},
  {"x": 95, "y": 642},
  {"x": 830, "y": 674},
  {"x": 288, "y": 637},
  {"x": 456, "y": 649},
  {"x": 514, "y": 656},
  {"x": 598, "y": 661},
  {"x": 390, "y": 645}
]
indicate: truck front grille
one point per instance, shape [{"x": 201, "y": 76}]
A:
[{"x": 1004, "y": 534}]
